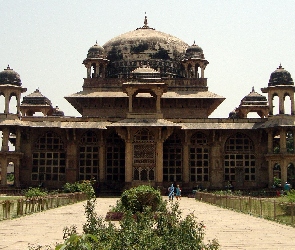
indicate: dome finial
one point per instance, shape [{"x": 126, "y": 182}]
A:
[
  {"x": 145, "y": 20},
  {"x": 145, "y": 23},
  {"x": 253, "y": 89}
]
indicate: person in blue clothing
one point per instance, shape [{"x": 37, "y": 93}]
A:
[
  {"x": 287, "y": 187},
  {"x": 178, "y": 192},
  {"x": 171, "y": 192}
]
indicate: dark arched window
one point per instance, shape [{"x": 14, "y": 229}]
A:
[
  {"x": 49, "y": 158},
  {"x": 89, "y": 156},
  {"x": 199, "y": 158},
  {"x": 239, "y": 156}
]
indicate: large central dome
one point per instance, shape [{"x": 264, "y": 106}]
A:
[
  {"x": 144, "y": 46},
  {"x": 146, "y": 41}
]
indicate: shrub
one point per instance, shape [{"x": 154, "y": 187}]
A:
[
  {"x": 35, "y": 192},
  {"x": 71, "y": 188},
  {"x": 165, "y": 231},
  {"x": 136, "y": 199},
  {"x": 84, "y": 186}
]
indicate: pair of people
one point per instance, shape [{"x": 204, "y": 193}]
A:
[{"x": 174, "y": 191}]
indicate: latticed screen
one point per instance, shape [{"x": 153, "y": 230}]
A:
[
  {"x": 144, "y": 157},
  {"x": 115, "y": 158},
  {"x": 89, "y": 157},
  {"x": 172, "y": 159},
  {"x": 199, "y": 158},
  {"x": 239, "y": 154},
  {"x": 48, "y": 159}
]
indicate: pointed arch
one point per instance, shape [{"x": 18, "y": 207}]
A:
[
  {"x": 89, "y": 156},
  {"x": 291, "y": 174},
  {"x": 199, "y": 158},
  {"x": 48, "y": 159},
  {"x": 239, "y": 160},
  {"x": 115, "y": 158},
  {"x": 172, "y": 159},
  {"x": 277, "y": 171}
]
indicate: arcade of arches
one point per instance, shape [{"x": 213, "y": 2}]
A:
[{"x": 145, "y": 110}]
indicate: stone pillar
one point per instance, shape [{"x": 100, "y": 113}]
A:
[
  {"x": 101, "y": 162},
  {"x": 270, "y": 174},
  {"x": 270, "y": 101},
  {"x": 130, "y": 103},
  {"x": 159, "y": 160},
  {"x": 88, "y": 71},
  {"x": 18, "y": 103},
  {"x": 202, "y": 72},
  {"x": 128, "y": 161},
  {"x": 97, "y": 70},
  {"x": 292, "y": 104},
  {"x": 186, "y": 161},
  {"x": 16, "y": 173},
  {"x": 5, "y": 137},
  {"x": 18, "y": 139},
  {"x": 283, "y": 148},
  {"x": 6, "y": 111},
  {"x": 3, "y": 162},
  {"x": 281, "y": 104},
  {"x": 284, "y": 166},
  {"x": 158, "y": 103},
  {"x": 72, "y": 166},
  {"x": 270, "y": 142},
  {"x": 194, "y": 71}
]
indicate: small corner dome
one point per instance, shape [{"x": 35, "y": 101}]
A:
[
  {"x": 57, "y": 112},
  {"x": 9, "y": 76},
  {"x": 95, "y": 51},
  {"x": 254, "y": 98},
  {"x": 194, "y": 49},
  {"x": 280, "y": 77}
]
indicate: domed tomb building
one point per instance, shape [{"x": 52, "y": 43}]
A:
[{"x": 145, "y": 106}]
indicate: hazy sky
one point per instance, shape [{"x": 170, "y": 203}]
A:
[{"x": 244, "y": 41}]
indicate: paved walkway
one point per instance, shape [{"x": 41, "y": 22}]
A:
[{"x": 233, "y": 230}]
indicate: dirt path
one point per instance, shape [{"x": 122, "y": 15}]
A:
[{"x": 233, "y": 230}]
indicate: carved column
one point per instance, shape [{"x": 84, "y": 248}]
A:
[
  {"x": 88, "y": 71},
  {"x": 202, "y": 71},
  {"x": 6, "y": 103},
  {"x": 159, "y": 156},
  {"x": 186, "y": 159},
  {"x": 128, "y": 161},
  {"x": 270, "y": 101},
  {"x": 16, "y": 173},
  {"x": 97, "y": 70},
  {"x": 18, "y": 137},
  {"x": 281, "y": 104},
  {"x": 292, "y": 104},
  {"x": 101, "y": 161},
  {"x": 283, "y": 148},
  {"x": 270, "y": 142},
  {"x": 3, "y": 162},
  {"x": 270, "y": 174},
  {"x": 5, "y": 137},
  {"x": 18, "y": 103}
]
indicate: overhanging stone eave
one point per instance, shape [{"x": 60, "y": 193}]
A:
[{"x": 144, "y": 122}]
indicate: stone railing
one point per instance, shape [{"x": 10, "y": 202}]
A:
[
  {"x": 267, "y": 208},
  {"x": 15, "y": 208}
]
